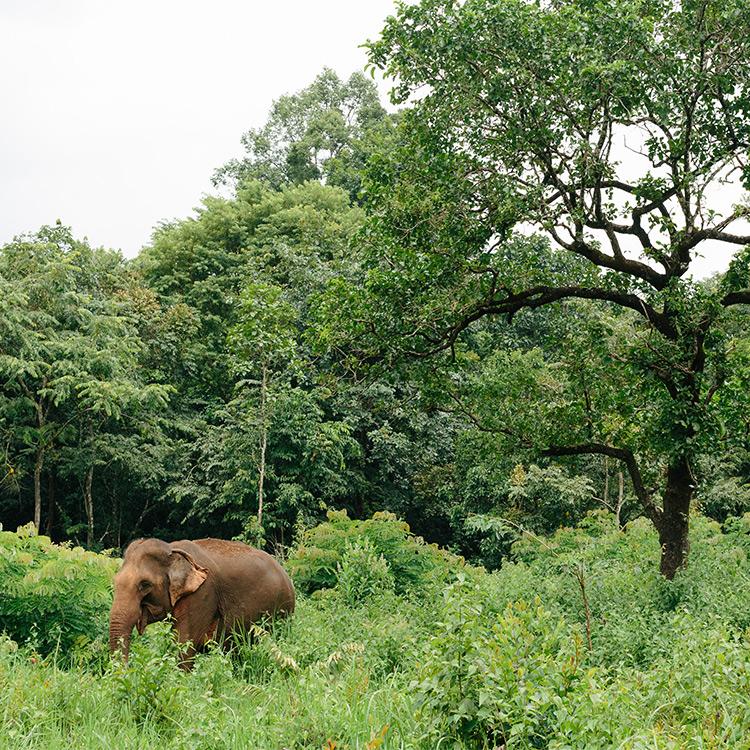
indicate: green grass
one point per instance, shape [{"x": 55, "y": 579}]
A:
[
  {"x": 467, "y": 660},
  {"x": 261, "y": 697}
]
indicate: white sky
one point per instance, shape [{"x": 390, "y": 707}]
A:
[{"x": 115, "y": 114}]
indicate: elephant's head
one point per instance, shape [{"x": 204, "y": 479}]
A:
[{"x": 153, "y": 577}]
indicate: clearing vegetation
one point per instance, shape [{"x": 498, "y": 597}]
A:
[{"x": 445, "y": 654}]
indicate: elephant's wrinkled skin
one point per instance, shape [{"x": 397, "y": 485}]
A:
[{"x": 209, "y": 586}]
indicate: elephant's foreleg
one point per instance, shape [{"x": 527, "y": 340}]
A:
[
  {"x": 195, "y": 620},
  {"x": 187, "y": 656},
  {"x": 194, "y": 642}
]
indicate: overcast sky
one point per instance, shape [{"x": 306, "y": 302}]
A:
[{"x": 115, "y": 114}]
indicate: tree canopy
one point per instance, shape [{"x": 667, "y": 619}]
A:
[
  {"x": 543, "y": 163},
  {"x": 322, "y": 132},
  {"x": 479, "y": 313}
]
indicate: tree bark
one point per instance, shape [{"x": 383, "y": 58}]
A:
[
  {"x": 672, "y": 518},
  {"x": 606, "y": 481},
  {"x": 50, "y": 503},
  {"x": 263, "y": 443},
  {"x": 674, "y": 521},
  {"x": 88, "y": 501},
  {"x": 38, "y": 466},
  {"x": 41, "y": 419}
]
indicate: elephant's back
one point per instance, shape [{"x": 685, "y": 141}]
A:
[
  {"x": 230, "y": 548},
  {"x": 253, "y": 579},
  {"x": 238, "y": 553}
]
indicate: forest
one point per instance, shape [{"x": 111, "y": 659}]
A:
[{"x": 452, "y": 363}]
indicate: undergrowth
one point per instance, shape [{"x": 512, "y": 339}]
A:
[{"x": 441, "y": 658}]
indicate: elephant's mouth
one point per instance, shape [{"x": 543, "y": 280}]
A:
[{"x": 149, "y": 614}]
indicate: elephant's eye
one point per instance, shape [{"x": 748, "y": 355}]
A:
[{"x": 144, "y": 585}]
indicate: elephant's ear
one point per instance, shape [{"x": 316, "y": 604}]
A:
[{"x": 185, "y": 575}]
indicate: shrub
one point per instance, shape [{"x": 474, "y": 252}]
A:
[
  {"x": 490, "y": 681},
  {"x": 53, "y": 596},
  {"x": 315, "y": 562},
  {"x": 486, "y": 661},
  {"x": 149, "y": 684},
  {"x": 363, "y": 573},
  {"x": 729, "y": 496},
  {"x": 188, "y": 709},
  {"x": 630, "y": 605},
  {"x": 692, "y": 697}
]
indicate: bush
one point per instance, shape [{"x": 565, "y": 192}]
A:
[
  {"x": 314, "y": 563},
  {"x": 53, "y": 596},
  {"x": 489, "y": 681},
  {"x": 630, "y": 604},
  {"x": 187, "y": 709},
  {"x": 363, "y": 573},
  {"x": 149, "y": 684},
  {"x": 729, "y": 496}
]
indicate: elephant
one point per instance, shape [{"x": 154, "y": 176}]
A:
[{"x": 211, "y": 587}]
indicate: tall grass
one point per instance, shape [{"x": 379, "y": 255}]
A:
[{"x": 517, "y": 659}]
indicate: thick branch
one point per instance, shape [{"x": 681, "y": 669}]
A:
[
  {"x": 544, "y": 295},
  {"x": 617, "y": 262},
  {"x": 622, "y": 454},
  {"x": 717, "y": 232},
  {"x": 740, "y": 297}
]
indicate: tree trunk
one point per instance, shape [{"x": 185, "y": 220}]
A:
[
  {"x": 39, "y": 458},
  {"x": 88, "y": 501},
  {"x": 620, "y": 497},
  {"x": 118, "y": 506},
  {"x": 606, "y": 481},
  {"x": 263, "y": 443},
  {"x": 673, "y": 521},
  {"x": 38, "y": 465},
  {"x": 50, "y": 503}
]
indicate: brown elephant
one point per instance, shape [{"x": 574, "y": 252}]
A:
[{"x": 210, "y": 587}]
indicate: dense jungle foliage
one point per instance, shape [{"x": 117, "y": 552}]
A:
[
  {"x": 475, "y": 321},
  {"x": 579, "y": 643}
]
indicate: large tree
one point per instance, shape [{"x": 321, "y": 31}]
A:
[
  {"x": 69, "y": 357},
  {"x": 322, "y": 132},
  {"x": 570, "y": 149}
]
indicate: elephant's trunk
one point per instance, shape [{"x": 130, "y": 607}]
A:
[{"x": 121, "y": 624}]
